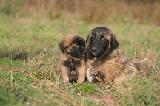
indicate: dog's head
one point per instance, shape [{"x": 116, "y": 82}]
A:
[
  {"x": 101, "y": 42},
  {"x": 73, "y": 45}
]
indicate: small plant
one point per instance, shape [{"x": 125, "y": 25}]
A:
[{"x": 88, "y": 88}]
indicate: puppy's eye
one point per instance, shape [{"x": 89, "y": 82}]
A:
[{"x": 66, "y": 47}]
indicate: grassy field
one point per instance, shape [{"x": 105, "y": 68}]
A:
[{"x": 36, "y": 81}]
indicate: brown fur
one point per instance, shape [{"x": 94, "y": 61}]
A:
[
  {"x": 104, "y": 61},
  {"x": 117, "y": 68},
  {"x": 66, "y": 45},
  {"x": 111, "y": 68}
]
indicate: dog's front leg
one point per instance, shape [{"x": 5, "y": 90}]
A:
[
  {"x": 89, "y": 71},
  {"x": 64, "y": 74},
  {"x": 64, "y": 69},
  {"x": 82, "y": 72}
]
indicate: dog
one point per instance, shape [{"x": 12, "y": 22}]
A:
[
  {"x": 104, "y": 61},
  {"x": 73, "y": 59}
]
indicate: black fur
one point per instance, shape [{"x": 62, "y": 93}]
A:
[
  {"x": 78, "y": 50},
  {"x": 79, "y": 41},
  {"x": 100, "y": 43},
  {"x": 72, "y": 65}
]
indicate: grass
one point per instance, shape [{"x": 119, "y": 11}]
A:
[{"x": 37, "y": 82}]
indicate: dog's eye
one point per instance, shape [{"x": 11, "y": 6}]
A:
[
  {"x": 66, "y": 47},
  {"x": 77, "y": 45}
]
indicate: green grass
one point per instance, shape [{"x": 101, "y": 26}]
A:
[
  {"x": 37, "y": 80},
  {"x": 144, "y": 92}
]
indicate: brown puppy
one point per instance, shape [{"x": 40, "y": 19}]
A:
[
  {"x": 72, "y": 57},
  {"x": 104, "y": 62}
]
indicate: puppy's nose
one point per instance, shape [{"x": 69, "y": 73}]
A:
[{"x": 68, "y": 51}]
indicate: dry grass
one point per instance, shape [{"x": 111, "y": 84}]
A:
[{"x": 37, "y": 26}]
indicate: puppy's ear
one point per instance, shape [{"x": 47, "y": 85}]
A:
[
  {"x": 61, "y": 46},
  {"x": 114, "y": 42},
  {"x": 80, "y": 41}
]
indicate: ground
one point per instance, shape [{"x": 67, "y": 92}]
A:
[{"x": 36, "y": 81}]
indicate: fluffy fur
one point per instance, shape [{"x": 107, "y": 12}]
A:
[
  {"x": 100, "y": 43},
  {"x": 72, "y": 57},
  {"x": 104, "y": 61}
]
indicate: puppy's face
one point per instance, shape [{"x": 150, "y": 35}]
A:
[
  {"x": 73, "y": 45},
  {"x": 101, "y": 41}
]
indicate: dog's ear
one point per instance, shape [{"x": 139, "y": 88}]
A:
[
  {"x": 114, "y": 42},
  {"x": 113, "y": 45},
  {"x": 61, "y": 46},
  {"x": 80, "y": 41}
]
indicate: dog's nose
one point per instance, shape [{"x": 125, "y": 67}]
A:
[
  {"x": 68, "y": 51},
  {"x": 94, "y": 49}
]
